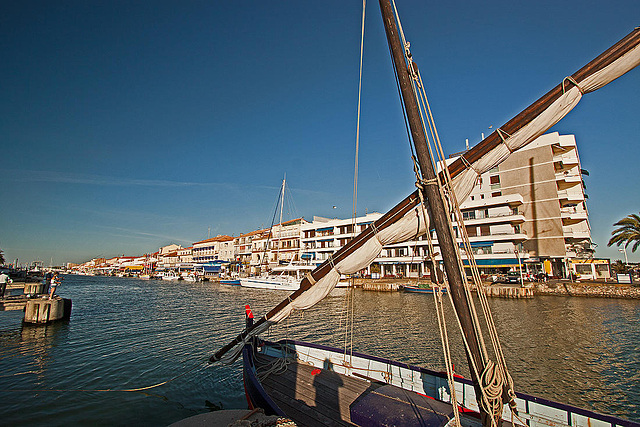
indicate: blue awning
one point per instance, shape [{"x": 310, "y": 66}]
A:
[
  {"x": 478, "y": 244},
  {"x": 325, "y": 229},
  {"x": 308, "y": 256},
  {"x": 212, "y": 269},
  {"x": 494, "y": 262}
]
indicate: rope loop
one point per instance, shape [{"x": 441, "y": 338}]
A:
[
  {"x": 571, "y": 80},
  {"x": 492, "y": 384},
  {"x": 502, "y": 134}
]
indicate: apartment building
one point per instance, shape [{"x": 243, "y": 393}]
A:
[
  {"x": 219, "y": 248},
  {"x": 547, "y": 174}
]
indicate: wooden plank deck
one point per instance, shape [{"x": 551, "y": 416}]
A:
[{"x": 313, "y": 397}]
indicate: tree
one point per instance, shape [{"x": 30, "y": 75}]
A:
[
  {"x": 1, "y": 257},
  {"x": 619, "y": 267},
  {"x": 627, "y": 233}
]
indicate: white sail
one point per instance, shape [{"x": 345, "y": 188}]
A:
[{"x": 572, "y": 91}]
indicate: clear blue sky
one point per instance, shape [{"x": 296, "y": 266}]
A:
[{"x": 127, "y": 125}]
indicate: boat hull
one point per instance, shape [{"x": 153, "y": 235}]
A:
[
  {"x": 535, "y": 411},
  {"x": 266, "y": 283},
  {"x": 419, "y": 290},
  {"x": 235, "y": 282}
]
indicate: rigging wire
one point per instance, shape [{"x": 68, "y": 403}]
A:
[{"x": 350, "y": 294}]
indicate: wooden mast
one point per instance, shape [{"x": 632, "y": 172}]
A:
[{"x": 439, "y": 214}]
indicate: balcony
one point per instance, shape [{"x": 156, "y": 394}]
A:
[
  {"x": 568, "y": 158},
  {"x": 571, "y": 195},
  {"x": 570, "y": 232},
  {"x": 570, "y": 215},
  {"x": 569, "y": 178},
  {"x": 481, "y": 218}
]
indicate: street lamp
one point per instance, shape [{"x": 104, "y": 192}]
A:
[{"x": 624, "y": 250}]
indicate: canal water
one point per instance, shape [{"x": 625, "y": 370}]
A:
[{"x": 127, "y": 334}]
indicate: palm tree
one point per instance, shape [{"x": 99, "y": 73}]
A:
[{"x": 628, "y": 233}]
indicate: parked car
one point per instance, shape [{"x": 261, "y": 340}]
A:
[{"x": 511, "y": 278}]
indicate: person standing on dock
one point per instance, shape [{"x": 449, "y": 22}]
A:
[
  {"x": 55, "y": 281},
  {"x": 4, "y": 280}
]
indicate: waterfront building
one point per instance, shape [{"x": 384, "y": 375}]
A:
[
  {"x": 185, "y": 255},
  {"x": 168, "y": 260},
  {"x": 212, "y": 249},
  {"x": 259, "y": 251},
  {"x": 547, "y": 174},
  {"x": 322, "y": 237},
  {"x": 284, "y": 242},
  {"x": 242, "y": 247},
  {"x": 169, "y": 248}
]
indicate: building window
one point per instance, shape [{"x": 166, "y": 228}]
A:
[
  {"x": 496, "y": 194},
  {"x": 495, "y": 182},
  {"x": 468, "y": 215}
]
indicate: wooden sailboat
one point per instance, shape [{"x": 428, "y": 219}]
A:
[{"x": 326, "y": 386}]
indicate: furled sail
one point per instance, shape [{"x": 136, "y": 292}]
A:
[
  {"x": 407, "y": 221},
  {"x": 544, "y": 113}
]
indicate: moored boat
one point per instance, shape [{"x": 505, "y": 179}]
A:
[
  {"x": 334, "y": 388},
  {"x": 421, "y": 288},
  {"x": 169, "y": 275}
]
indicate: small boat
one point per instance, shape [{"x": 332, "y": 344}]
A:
[
  {"x": 286, "y": 278},
  {"x": 420, "y": 288},
  {"x": 230, "y": 282},
  {"x": 189, "y": 277},
  {"x": 170, "y": 275},
  {"x": 144, "y": 277}
]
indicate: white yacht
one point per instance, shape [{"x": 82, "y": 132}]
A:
[
  {"x": 170, "y": 275},
  {"x": 286, "y": 278}
]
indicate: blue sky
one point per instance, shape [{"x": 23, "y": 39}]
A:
[{"x": 127, "y": 125}]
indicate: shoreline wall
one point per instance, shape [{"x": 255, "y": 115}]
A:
[{"x": 578, "y": 290}]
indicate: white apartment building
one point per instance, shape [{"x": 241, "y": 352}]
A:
[
  {"x": 219, "y": 248},
  {"x": 547, "y": 174}
]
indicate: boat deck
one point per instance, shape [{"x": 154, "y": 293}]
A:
[{"x": 322, "y": 397}]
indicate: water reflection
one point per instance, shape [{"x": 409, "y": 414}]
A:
[{"x": 36, "y": 342}]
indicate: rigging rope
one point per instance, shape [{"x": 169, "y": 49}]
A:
[{"x": 495, "y": 378}]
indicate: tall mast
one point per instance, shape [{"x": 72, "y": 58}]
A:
[
  {"x": 439, "y": 214},
  {"x": 284, "y": 180}
]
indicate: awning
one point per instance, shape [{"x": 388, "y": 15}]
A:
[
  {"x": 212, "y": 269},
  {"x": 494, "y": 262},
  {"x": 325, "y": 229},
  {"x": 478, "y": 244},
  {"x": 134, "y": 267}
]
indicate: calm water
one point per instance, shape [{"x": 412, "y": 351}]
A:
[{"x": 126, "y": 333}]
